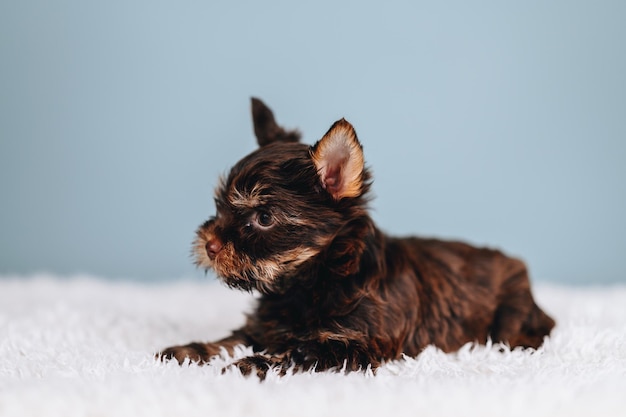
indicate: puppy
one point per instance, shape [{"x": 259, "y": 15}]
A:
[{"x": 336, "y": 292}]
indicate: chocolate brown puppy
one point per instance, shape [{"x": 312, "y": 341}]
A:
[{"x": 336, "y": 292}]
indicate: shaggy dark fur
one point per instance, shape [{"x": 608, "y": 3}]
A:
[{"x": 292, "y": 223}]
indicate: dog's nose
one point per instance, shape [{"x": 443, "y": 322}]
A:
[{"x": 213, "y": 247}]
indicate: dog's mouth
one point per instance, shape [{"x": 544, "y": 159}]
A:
[
  {"x": 239, "y": 270},
  {"x": 234, "y": 270}
]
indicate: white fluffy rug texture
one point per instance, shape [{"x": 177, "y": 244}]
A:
[{"x": 85, "y": 347}]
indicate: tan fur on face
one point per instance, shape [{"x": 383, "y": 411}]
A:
[
  {"x": 248, "y": 198},
  {"x": 199, "y": 248},
  {"x": 229, "y": 264},
  {"x": 338, "y": 157}
]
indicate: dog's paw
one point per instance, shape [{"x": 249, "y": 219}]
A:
[
  {"x": 252, "y": 365},
  {"x": 196, "y": 352},
  {"x": 260, "y": 365}
]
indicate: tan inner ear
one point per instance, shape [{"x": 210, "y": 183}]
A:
[{"x": 339, "y": 160}]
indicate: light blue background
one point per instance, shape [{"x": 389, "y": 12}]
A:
[{"x": 500, "y": 123}]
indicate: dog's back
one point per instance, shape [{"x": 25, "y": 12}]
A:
[{"x": 465, "y": 294}]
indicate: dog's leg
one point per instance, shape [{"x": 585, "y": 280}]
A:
[
  {"x": 518, "y": 320},
  {"x": 536, "y": 326},
  {"x": 329, "y": 355},
  {"x": 203, "y": 352}
]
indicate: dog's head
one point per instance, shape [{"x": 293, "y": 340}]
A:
[{"x": 286, "y": 208}]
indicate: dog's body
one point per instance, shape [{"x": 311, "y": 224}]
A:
[{"x": 292, "y": 223}]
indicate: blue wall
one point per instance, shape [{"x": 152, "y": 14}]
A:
[{"x": 500, "y": 124}]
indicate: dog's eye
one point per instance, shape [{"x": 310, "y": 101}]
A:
[{"x": 264, "y": 219}]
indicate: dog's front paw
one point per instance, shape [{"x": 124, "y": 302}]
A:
[
  {"x": 196, "y": 352},
  {"x": 259, "y": 365}
]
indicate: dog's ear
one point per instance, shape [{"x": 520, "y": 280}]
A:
[
  {"x": 265, "y": 127},
  {"x": 338, "y": 157}
]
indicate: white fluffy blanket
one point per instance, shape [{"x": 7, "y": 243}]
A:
[{"x": 84, "y": 347}]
